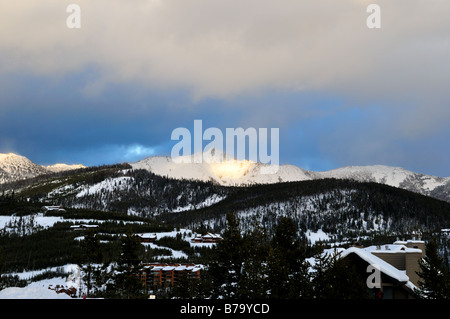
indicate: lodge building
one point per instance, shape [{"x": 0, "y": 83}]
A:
[
  {"x": 207, "y": 238},
  {"x": 146, "y": 238},
  {"x": 162, "y": 275},
  {"x": 59, "y": 209},
  {"x": 398, "y": 264}
]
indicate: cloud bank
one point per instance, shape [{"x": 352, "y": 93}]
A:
[
  {"x": 239, "y": 50},
  {"x": 225, "y": 48}
]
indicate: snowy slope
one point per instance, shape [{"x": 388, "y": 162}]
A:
[
  {"x": 45, "y": 289},
  {"x": 217, "y": 167},
  {"x": 15, "y": 167},
  {"x": 35, "y": 290},
  {"x": 61, "y": 167},
  {"x": 393, "y": 176},
  {"x": 233, "y": 172},
  {"x": 220, "y": 169},
  {"x": 164, "y": 166}
]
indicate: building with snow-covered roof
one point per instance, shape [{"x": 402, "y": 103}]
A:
[
  {"x": 58, "y": 209},
  {"x": 82, "y": 227},
  {"x": 412, "y": 243},
  {"x": 404, "y": 257},
  {"x": 161, "y": 275},
  {"x": 393, "y": 283},
  {"x": 207, "y": 238},
  {"x": 396, "y": 263},
  {"x": 146, "y": 238}
]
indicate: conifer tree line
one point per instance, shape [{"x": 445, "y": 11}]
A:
[
  {"x": 328, "y": 203},
  {"x": 339, "y": 207},
  {"x": 264, "y": 251},
  {"x": 244, "y": 265},
  {"x": 434, "y": 272},
  {"x": 253, "y": 265}
]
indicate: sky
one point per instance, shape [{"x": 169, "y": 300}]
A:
[{"x": 339, "y": 92}]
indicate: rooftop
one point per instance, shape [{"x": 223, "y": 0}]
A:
[{"x": 392, "y": 248}]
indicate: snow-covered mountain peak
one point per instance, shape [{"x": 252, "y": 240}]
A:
[
  {"x": 212, "y": 155},
  {"x": 383, "y": 174},
  {"x": 215, "y": 165},
  {"x": 16, "y": 167},
  {"x": 61, "y": 167},
  {"x": 435, "y": 186},
  {"x": 11, "y": 159},
  {"x": 234, "y": 172},
  {"x": 13, "y": 163}
]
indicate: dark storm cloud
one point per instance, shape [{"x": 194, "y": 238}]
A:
[{"x": 340, "y": 93}]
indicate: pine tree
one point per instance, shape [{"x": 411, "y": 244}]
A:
[
  {"x": 287, "y": 269},
  {"x": 319, "y": 274},
  {"x": 253, "y": 282},
  {"x": 225, "y": 269},
  {"x": 187, "y": 287},
  {"x": 91, "y": 257},
  {"x": 435, "y": 278},
  {"x": 127, "y": 283},
  {"x": 1, "y": 266},
  {"x": 334, "y": 277}
]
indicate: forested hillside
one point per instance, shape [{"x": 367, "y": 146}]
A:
[
  {"x": 337, "y": 207},
  {"x": 121, "y": 200},
  {"x": 117, "y": 188}
]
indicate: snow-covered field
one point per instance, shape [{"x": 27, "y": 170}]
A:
[
  {"x": 44, "y": 289},
  {"x": 206, "y": 203},
  {"x": 36, "y": 290},
  {"x": 40, "y": 289},
  {"x": 39, "y": 219},
  {"x": 314, "y": 237}
]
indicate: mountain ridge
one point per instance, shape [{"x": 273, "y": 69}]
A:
[
  {"x": 15, "y": 167},
  {"x": 337, "y": 207},
  {"x": 242, "y": 173},
  {"x": 232, "y": 172}
]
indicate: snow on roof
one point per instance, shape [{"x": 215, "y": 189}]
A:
[
  {"x": 84, "y": 226},
  {"x": 147, "y": 235},
  {"x": 180, "y": 268},
  {"x": 168, "y": 268},
  {"x": 370, "y": 258},
  {"x": 52, "y": 208},
  {"x": 157, "y": 268},
  {"x": 210, "y": 235},
  {"x": 404, "y": 242},
  {"x": 176, "y": 267},
  {"x": 384, "y": 267},
  {"x": 394, "y": 248}
]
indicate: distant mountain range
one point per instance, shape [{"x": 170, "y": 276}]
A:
[
  {"x": 240, "y": 173},
  {"x": 15, "y": 167},
  {"x": 350, "y": 201}
]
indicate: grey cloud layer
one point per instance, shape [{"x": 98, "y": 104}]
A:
[
  {"x": 227, "y": 49},
  {"x": 220, "y": 48}
]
